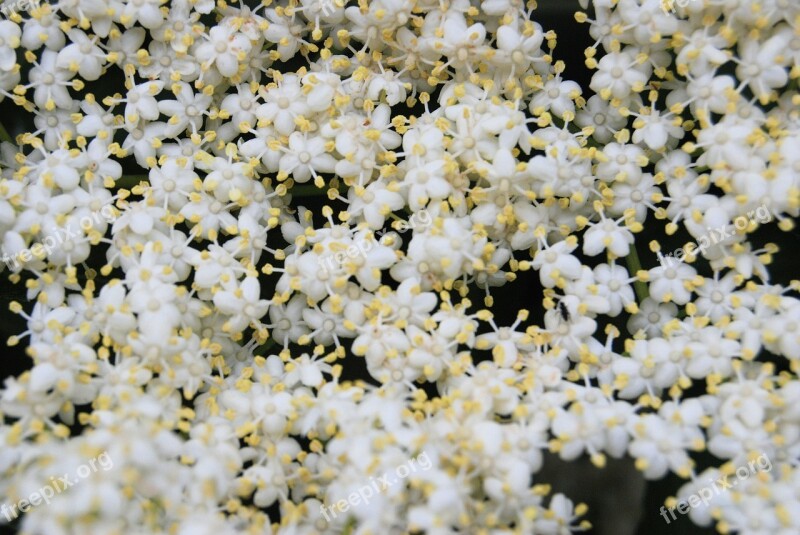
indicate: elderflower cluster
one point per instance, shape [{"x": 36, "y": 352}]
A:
[{"x": 241, "y": 381}]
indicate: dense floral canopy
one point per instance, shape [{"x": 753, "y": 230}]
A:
[{"x": 219, "y": 211}]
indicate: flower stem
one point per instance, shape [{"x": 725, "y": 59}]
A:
[
  {"x": 634, "y": 266},
  {"x": 263, "y": 349},
  {"x": 310, "y": 190},
  {"x": 307, "y": 191},
  {"x": 4, "y": 135},
  {"x": 128, "y": 181}
]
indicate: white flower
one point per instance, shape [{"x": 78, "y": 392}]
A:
[
  {"x": 198, "y": 313},
  {"x": 186, "y": 111},
  {"x": 651, "y": 317},
  {"x": 9, "y": 41},
  {"x": 306, "y": 157},
  {"x": 83, "y": 56},
  {"x": 557, "y": 96},
  {"x": 43, "y": 30},
  {"x": 141, "y": 102},
  {"x": 283, "y": 103},
  {"x": 146, "y": 12},
  {"x": 225, "y": 49},
  {"x": 617, "y": 76},
  {"x": 607, "y": 234},
  {"x": 555, "y": 262},
  {"x": 758, "y": 67},
  {"x": 672, "y": 282},
  {"x": 242, "y": 303}
]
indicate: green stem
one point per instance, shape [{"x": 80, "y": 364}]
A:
[
  {"x": 4, "y": 135},
  {"x": 128, "y": 181},
  {"x": 309, "y": 190},
  {"x": 348, "y": 528},
  {"x": 262, "y": 350},
  {"x": 634, "y": 266}
]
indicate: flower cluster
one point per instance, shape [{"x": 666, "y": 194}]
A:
[{"x": 203, "y": 339}]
